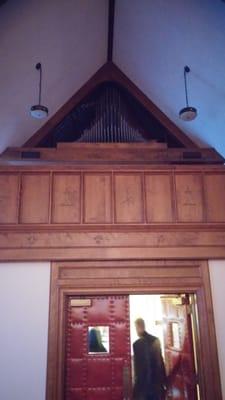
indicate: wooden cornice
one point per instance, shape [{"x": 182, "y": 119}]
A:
[
  {"x": 109, "y": 154},
  {"x": 109, "y": 72}
]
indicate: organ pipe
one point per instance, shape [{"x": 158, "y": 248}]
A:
[{"x": 111, "y": 122}]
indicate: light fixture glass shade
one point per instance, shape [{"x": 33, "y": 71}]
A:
[
  {"x": 188, "y": 113},
  {"x": 38, "y": 111}
]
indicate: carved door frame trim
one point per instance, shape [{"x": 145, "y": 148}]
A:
[{"x": 126, "y": 277}]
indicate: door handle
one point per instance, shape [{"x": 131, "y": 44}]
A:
[{"x": 126, "y": 383}]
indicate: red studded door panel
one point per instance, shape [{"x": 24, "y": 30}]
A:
[
  {"x": 102, "y": 373},
  {"x": 179, "y": 351}
]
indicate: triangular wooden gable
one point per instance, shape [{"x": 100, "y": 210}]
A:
[{"x": 111, "y": 73}]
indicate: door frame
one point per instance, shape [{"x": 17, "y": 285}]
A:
[{"x": 132, "y": 277}]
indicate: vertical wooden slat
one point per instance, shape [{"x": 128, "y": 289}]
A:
[
  {"x": 97, "y": 198},
  {"x": 50, "y": 197},
  {"x": 215, "y": 197},
  {"x": 159, "y": 198},
  {"x": 189, "y": 193},
  {"x": 35, "y": 198},
  {"x": 129, "y": 206},
  {"x": 9, "y": 191}
]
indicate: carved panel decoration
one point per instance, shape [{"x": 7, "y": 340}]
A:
[
  {"x": 106, "y": 239},
  {"x": 189, "y": 197},
  {"x": 66, "y": 201},
  {"x": 129, "y": 206}
]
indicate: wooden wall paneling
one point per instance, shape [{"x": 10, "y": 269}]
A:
[
  {"x": 175, "y": 212},
  {"x": 189, "y": 193},
  {"x": 50, "y": 197},
  {"x": 97, "y": 198},
  {"x": 144, "y": 199},
  {"x": 9, "y": 195},
  {"x": 146, "y": 195},
  {"x": 66, "y": 198},
  {"x": 35, "y": 196},
  {"x": 215, "y": 197},
  {"x": 159, "y": 198},
  {"x": 129, "y": 200}
]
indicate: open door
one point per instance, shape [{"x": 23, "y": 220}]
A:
[
  {"x": 97, "y": 348},
  {"x": 179, "y": 348}
]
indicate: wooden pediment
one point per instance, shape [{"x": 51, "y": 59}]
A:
[
  {"x": 109, "y": 108},
  {"x": 111, "y": 120}
]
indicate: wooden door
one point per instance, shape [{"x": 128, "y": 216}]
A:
[
  {"x": 178, "y": 347},
  {"x": 97, "y": 369}
]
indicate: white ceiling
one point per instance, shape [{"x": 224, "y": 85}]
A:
[
  {"x": 153, "y": 41},
  {"x": 69, "y": 37}
]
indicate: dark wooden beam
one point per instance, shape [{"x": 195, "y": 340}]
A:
[{"x": 110, "y": 29}]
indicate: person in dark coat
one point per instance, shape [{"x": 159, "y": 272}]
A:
[{"x": 149, "y": 368}]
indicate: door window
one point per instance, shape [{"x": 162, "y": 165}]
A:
[{"x": 98, "y": 339}]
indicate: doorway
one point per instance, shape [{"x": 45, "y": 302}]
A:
[
  {"x": 172, "y": 318},
  {"x": 100, "y": 333},
  {"x": 180, "y": 284}
]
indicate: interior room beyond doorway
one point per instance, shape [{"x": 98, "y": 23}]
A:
[{"x": 172, "y": 319}]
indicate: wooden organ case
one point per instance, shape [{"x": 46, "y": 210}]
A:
[{"x": 109, "y": 177}]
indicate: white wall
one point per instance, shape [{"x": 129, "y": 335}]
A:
[
  {"x": 24, "y": 306},
  {"x": 217, "y": 275}
]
